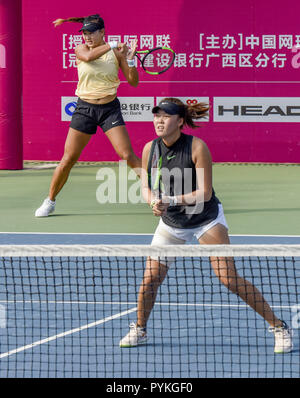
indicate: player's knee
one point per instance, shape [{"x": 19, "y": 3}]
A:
[
  {"x": 68, "y": 160},
  {"x": 153, "y": 282},
  {"x": 128, "y": 155},
  {"x": 230, "y": 282}
]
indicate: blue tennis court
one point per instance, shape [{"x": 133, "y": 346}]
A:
[{"x": 65, "y": 319}]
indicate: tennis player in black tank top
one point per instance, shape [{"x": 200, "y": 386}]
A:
[
  {"x": 176, "y": 160},
  {"x": 185, "y": 213}
]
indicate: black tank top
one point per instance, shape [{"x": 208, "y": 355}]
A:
[{"x": 179, "y": 177}]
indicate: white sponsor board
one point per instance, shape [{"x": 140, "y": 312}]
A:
[
  {"x": 137, "y": 109},
  {"x": 134, "y": 109},
  {"x": 257, "y": 109},
  {"x": 68, "y": 105}
]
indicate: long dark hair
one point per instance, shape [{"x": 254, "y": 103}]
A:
[
  {"x": 90, "y": 18},
  {"x": 191, "y": 112}
]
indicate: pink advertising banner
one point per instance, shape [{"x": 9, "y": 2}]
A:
[
  {"x": 11, "y": 155},
  {"x": 240, "y": 57}
]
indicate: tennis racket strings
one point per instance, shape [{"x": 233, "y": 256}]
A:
[{"x": 157, "y": 60}]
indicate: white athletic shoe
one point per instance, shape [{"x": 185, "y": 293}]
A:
[
  {"x": 135, "y": 337},
  {"x": 47, "y": 207},
  {"x": 283, "y": 338}
]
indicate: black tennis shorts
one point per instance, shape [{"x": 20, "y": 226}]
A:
[{"x": 87, "y": 117}]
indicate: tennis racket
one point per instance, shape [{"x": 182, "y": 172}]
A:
[
  {"x": 155, "y": 172},
  {"x": 157, "y": 60}
]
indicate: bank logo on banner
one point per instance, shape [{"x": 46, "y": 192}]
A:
[
  {"x": 190, "y": 101},
  {"x": 2, "y": 56},
  {"x": 257, "y": 109},
  {"x": 134, "y": 109},
  {"x": 137, "y": 109},
  {"x": 68, "y": 105}
]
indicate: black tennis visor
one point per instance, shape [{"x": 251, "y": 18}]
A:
[
  {"x": 169, "y": 107},
  {"x": 92, "y": 26}
]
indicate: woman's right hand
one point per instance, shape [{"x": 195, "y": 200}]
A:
[
  {"x": 132, "y": 51},
  {"x": 123, "y": 49},
  {"x": 159, "y": 207}
]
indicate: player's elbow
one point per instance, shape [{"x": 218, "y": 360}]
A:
[
  {"x": 207, "y": 195},
  {"x": 84, "y": 57},
  {"x": 89, "y": 57},
  {"x": 134, "y": 83}
]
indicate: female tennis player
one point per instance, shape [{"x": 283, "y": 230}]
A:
[
  {"x": 98, "y": 66},
  {"x": 184, "y": 213}
]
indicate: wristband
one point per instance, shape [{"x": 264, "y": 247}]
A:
[
  {"x": 113, "y": 44},
  {"x": 172, "y": 200},
  {"x": 131, "y": 63}
]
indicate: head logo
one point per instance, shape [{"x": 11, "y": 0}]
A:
[
  {"x": 257, "y": 109},
  {"x": 2, "y": 56}
]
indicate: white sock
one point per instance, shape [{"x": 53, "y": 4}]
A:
[{"x": 51, "y": 201}]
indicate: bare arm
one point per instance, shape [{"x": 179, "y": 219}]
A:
[
  {"x": 146, "y": 191},
  {"x": 84, "y": 53},
  {"x": 203, "y": 163},
  {"x": 130, "y": 73}
]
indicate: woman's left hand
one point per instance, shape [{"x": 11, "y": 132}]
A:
[
  {"x": 123, "y": 49},
  {"x": 159, "y": 207},
  {"x": 132, "y": 51}
]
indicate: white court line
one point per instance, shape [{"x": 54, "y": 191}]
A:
[
  {"x": 212, "y": 305},
  {"x": 267, "y": 236},
  {"x": 92, "y": 324},
  {"x": 63, "y": 334},
  {"x": 130, "y": 233},
  {"x": 75, "y": 233}
]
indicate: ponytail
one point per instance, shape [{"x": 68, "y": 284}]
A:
[
  {"x": 60, "y": 21},
  {"x": 90, "y": 18},
  {"x": 191, "y": 112},
  {"x": 195, "y": 111}
]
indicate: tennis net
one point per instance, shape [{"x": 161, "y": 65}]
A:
[{"x": 64, "y": 310}]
